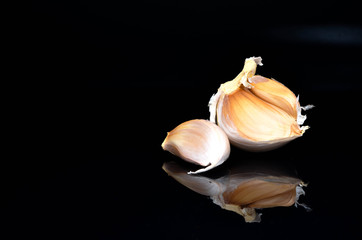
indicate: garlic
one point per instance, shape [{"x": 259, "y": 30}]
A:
[
  {"x": 243, "y": 191},
  {"x": 200, "y": 142},
  {"x": 257, "y": 113}
]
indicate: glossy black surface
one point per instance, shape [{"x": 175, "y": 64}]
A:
[{"x": 104, "y": 82}]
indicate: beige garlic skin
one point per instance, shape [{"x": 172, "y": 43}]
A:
[
  {"x": 200, "y": 142},
  {"x": 257, "y": 113}
]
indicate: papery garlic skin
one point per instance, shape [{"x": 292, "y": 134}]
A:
[
  {"x": 257, "y": 113},
  {"x": 200, "y": 142}
]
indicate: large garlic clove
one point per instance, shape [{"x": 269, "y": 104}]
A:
[
  {"x": 243, "y": 190},
  {"x": 200, "y": 142},
  {"x": 274, "y": 93},
  {"x": 257, "y": 113},
  {"x": 255, "y": 119}
]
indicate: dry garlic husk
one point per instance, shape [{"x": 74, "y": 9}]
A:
[
  {"x": 243, "y": 192},
  {"x": 257, "y": 113},
  {"x": 200, "y": 142}
]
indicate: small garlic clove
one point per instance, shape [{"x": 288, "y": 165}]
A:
[
  {"x": 257, "y": 113},
  {"x": 200, "y": 142}
]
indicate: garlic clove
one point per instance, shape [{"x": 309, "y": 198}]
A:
[
  {"x": 200, "y": 142},
  {"x": 257, "y": 120},
  {"x": 257, "y": 113},
  {"x": 274, "y": 93}
]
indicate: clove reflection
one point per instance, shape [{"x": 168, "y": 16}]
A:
[{"x": 243, "y": 188}]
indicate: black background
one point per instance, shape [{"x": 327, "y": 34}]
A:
[{"x": 97, "y": 84}]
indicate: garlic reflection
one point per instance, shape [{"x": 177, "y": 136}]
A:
[
  {"x": 243, "y": 191},
  {"x": 200, "y": 142},
  {"x": 257, "y": 113}
]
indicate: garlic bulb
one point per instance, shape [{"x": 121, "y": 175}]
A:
[
  {"x": 200, "y": 142},
  {"x": 257, "y": 113},
  {"x": 243, "y": 191}
]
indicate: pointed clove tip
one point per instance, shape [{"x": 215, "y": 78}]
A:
[{"x": 163, "y": 145}]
